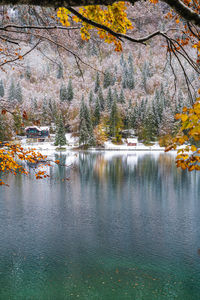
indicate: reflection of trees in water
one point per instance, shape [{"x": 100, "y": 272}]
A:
[
  {"x": 60, "y": 171},
  {"x": 156, "y": 172}
]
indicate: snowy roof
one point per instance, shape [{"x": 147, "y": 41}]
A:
[
  {"x": 38, "y": 128},
  {"x": 132, "y": 140}
]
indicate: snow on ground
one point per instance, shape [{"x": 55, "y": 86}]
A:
[
  {"x": 72, "y": 142},
  {"x": 139, "y": 147}
]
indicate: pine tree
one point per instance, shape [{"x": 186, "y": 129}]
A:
[
  {"x": 130, "y": 75},
  {"x": 63, "y": 93},
  {"x": 114, "y": 76},
  {"x": 60, "y": 139},
  {"x": 96, "y": 113},
  {"x": 2, "y": 129},
  {"x": 45, "y": 115},
  {"x": 115, "y": 96},
  {"x": 60, "y": 71},
  {"x": 1, "y": 89},
  {"x": 109, "y": 98},
  {"x": 107, "y": 81},
  {"x": 91, "y": 97},
  {"x": 70, "y": 93},
  {"x": 101, "y": 99},
  {"x": 18, "y": 93},
  {"x": 88, "y": 121},
  {"x": 122, "y": 60},
  {"x": 83, "y": 135},
  {"x": 121, "y": 97},
  {"x": 28, "y": 72},
  {"x": 11, "y": 91},
  {"x": 86, "y": 136},
  {"x": 17, "y": 121},
  {"x": 115, "y": 123},
  {"x": 97, "y": 83},
  {"x": 125, "y": 76}
]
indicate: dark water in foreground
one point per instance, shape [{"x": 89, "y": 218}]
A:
[{"x": 125, "y": 226}]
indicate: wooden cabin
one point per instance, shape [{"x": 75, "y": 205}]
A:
[
  {"x": 132, "y": 142},
  {"x": 36, "y": 132}
]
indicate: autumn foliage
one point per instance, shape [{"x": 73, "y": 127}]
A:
[
  {"x": 11, "y": 157},
  {"x": 188, "y": 157}
]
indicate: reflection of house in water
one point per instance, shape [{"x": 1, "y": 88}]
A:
[{"x": 39, "y": 133}]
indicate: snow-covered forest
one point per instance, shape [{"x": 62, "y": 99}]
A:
[{"x": 105, "y": 94}]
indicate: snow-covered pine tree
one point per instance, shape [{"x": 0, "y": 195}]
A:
[
  {"x": 18, "y": 93},
  {"x": 91, "y": 97},
  {"x": 109, "y": 99},
  {"x": 97, "y": 83},
  {"x": 114, "y": 76},
  {"x": 107, "y": 80},
  {"x": 122, "y": 60},
  {"x": 125, "y": 76},
  {"x": 60, "y": 139},
  {"x": 86, "y": 136},
  {"x": 115, "y": 95},
  {"x": 83, "y": 134},
  {"x": 130, "y": 75},
  {"x": 88, "y": 121},
  {"x": 1, "y": 89},
  {"x": 70, "y": 93},
  {"x": 113, "y": 119},
  {"x": 121, "y": 96},
  {"x": 96, "y": 113},
  {"x": 101, "y": 99},
  {"x": 11, "y": 91},
  {"x": 60, "y": 71},
  {"x": 63, "y": 93},
  {"x": 28, "y": 72}
]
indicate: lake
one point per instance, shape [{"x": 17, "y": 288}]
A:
[{"x": 113, "y": 225}]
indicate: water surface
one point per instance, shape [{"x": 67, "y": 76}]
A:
[{"x": 113, "y": 226}]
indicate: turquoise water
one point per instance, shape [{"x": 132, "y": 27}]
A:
[{"x": 112, "y": 226}]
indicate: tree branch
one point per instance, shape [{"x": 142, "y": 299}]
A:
[{"x": 184, "y": 11}]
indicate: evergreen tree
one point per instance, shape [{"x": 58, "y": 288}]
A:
[
  {"x": 2, "y": 129},
  {"x": 60, "y": 71},
  {"x": 97, "y": 83},
  {"x": 17, "y": 121},
  {"x": 109, "y": 98},
  {"x": 121, "y": 97},
  {"x": 101, "y": 99},
  {"x": 125, "y": 76},
  {"x": 96, "y": 113},
  {"x": 18, "y": 93},
  {"x": 115, "y": 123},
  {"x": 83, "y": 135},
  {"x": 148, "y": 130},
  {"x": 107, "y": 81},
  {"x": 91, "y": 97},
  {"x": 53, "y": 109},
  {"x": 114, "y": 76},
  {"x": 130, "y": 75},
  {"x": 28, "y": 72},
  {"x": 11, "y": 91},
  {"x": 179, "y": 102},
  {"x": 122, "y": 60},
  {"x": 1, "y": 89},
  {"x": 45, "y": 115},
  {"x": 86, "y": 136},
  {"x": 70, "y": 93},
  {"x": 115, "y": 96},
  {"x": 60, "y": 139},
  {"x": 63, "y": 93},
  {"x": 88, "y": 121}
]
